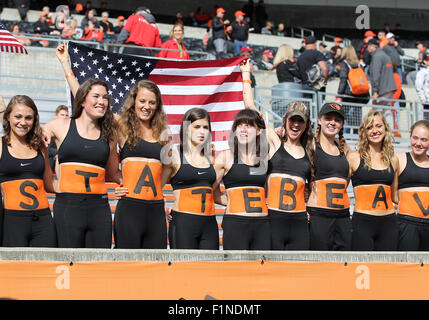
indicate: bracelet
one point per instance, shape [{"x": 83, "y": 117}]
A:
[
  {"x": 69, "y": 74},
  {"x": 247, "y": 81}
]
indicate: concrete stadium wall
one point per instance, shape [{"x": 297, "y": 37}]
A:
[{"x": 167, "y": 255}]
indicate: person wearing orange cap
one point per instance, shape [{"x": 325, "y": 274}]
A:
[
  {"x": 337, "y": 44},
  {"x": 239, "y": 32},
  {"x": 362, "y": 52},
  {"x": 117, "y": 29},
  {"x": 219, "y": 33}
]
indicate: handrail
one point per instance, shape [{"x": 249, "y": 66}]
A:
[
  {"x": 301, "y": 33},
  {"x": 99, "y": 45}
]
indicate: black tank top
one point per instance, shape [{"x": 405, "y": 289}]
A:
[
  {"x": 366, "y": 176},
  {"x": 189, "y": 176},
  {"x": 145, "y": 149},
  {"x": 78, "y": 149},
  {"x": 241, "y": 175},
  {"x": 12, "y": 168},
  {"x": 328, "y": 166},
  {"x": 283, "y": 162},
  {"x": 413, "y": 175}
]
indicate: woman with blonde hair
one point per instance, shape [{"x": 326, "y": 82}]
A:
[
  {"x": 285, "y": 65},
  {"x": 175, "y": 43},
  {"x": 349, "y": 61},
  {"x": 374, "y": 174}
]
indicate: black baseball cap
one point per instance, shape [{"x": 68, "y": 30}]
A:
[
  {"x": 142, "y": 8},
  {"x": 332, "y": 107},
  {"x": 310, "y": 40},
  {"x": 373, "y": 41}
]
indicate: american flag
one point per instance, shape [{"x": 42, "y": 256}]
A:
[
  {"x": 8, "y": 42},
  {"x": 215, "y": 85}
]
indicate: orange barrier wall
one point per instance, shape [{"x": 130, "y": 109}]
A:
[{"x": 241, "y": 280}]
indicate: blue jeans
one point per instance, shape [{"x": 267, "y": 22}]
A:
[{"x": 238, "y": 45}]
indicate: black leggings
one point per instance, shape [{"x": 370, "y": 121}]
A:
[
  {"x": 330, "y": 230},
  {"x": 413, "y": 233},
  {"x": 83, "y": 220},
  {"x": 140, "y": 224},
  {"x": 374, "y": 233},
  {"x": 289, "y": 231},
  {"x": 246, "y": 233},
  {"x": 191, "y": 231},
  {"x": 29, "y": 229}
]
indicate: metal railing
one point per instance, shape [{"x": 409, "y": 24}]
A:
[
  {"x": 299, "y": 32},
  {"x": 331, "y": 38},
  {"x": 112, "y": 46},
  {"x": 400, "y": 118}
]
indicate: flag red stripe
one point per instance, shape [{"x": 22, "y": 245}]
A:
[
  {"x": 230, "y": 62},
  {"x": 214, "y": 117},
  {"x": 194, "y": 81},
  {"x": 202, "y": 99}
]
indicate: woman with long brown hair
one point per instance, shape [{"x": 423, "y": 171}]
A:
[
  {"x": 289, "y": 172},
  {"x": 86, "y": 146},
  {"x": 140, "y": 220},
  {"x": 192, "y": 176},
  {"x": 243, "y": 169},
  {"x": 374, "y": 171},
  {"x": 25, "y": 177}
]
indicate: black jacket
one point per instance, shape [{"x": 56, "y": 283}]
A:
[
  {"x": 287, "y": 71},
  {"x": 240, "y": 31},
  {"x": 218, "y": 29}
]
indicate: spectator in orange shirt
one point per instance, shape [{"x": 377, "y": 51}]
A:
[
  {"x": 382, "y": 39},
  {"x": 93, "y": 32},
  {"x": 396, "y": 96},
  {"x": 176, "y": 34}
]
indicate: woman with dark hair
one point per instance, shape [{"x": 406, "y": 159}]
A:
[
  {"x": 243, "y": 169},
  {"x": 289, "y": 172},
  {"x": 140, "y": 220},
  {"x": 328, "y": 204},
  {"x": 191, "y": 173},
  {"x": 413, "y": 187},
  {"x": 86, "y": 156},
  {"x": 374, "y": 174},
  {"x": 25, "y": 178},
  {"x": 175, "y": 43}
]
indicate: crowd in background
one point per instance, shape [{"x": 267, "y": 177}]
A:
[{"x": 227, "y": 35}]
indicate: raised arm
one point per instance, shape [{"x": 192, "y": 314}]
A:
[
  {"x": 64, "y": 58},
  {"x": 249, "y": 101},
  {"x": 248, "y": 98}
]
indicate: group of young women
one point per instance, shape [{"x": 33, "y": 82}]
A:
[{"x": 284, "y": 189}]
